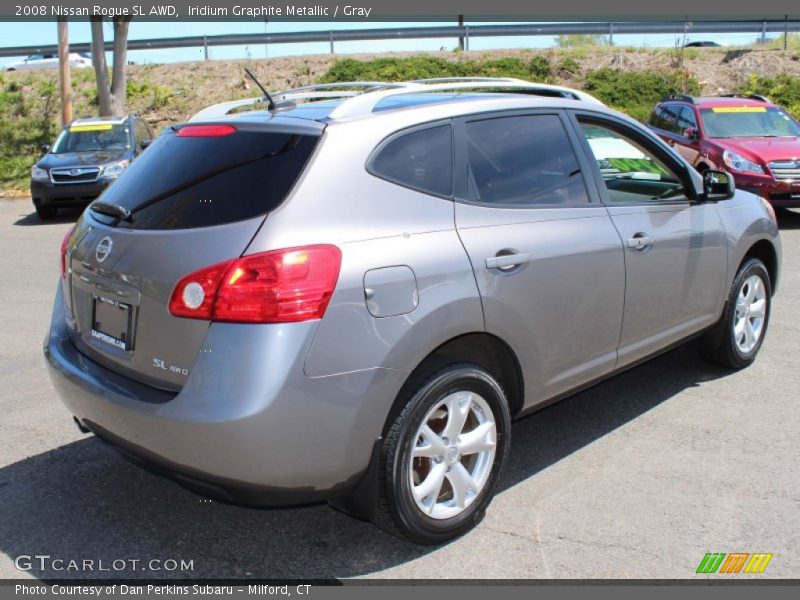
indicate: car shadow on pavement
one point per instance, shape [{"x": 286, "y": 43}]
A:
[
  {"x": 83, "y": 501},
  {"x": 788, "y": 219},
  {"x": 65, "y": 215}
]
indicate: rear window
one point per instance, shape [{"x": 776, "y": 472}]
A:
[
  {"x": 187, "y": 182},
  {"x": 421, "y": 160}
]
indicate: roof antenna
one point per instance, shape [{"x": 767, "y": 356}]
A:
[{"x": 271, "y": 105}]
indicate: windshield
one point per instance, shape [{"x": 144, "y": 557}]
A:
[
  {"x": 748, "y": 121},
  {"x": 92, "y": 138}
]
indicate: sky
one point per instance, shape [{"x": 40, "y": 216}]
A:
[{"x": 23, "y": 34}]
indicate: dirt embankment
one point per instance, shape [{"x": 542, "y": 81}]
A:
[{"x": 173, "y": 92}]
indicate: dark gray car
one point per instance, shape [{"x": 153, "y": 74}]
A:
[{"x": 350, "y": 299}]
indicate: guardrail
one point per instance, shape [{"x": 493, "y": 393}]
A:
[{"x": 460, "y": 32}]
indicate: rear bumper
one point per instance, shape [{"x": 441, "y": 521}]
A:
[
  {"x": 248, "y": 426},
  {"x": 45, "y": 193}
]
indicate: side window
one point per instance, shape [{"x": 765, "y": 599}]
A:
[
  {"x": 686, "y": 119},
  {"x": 421, "y": 160},
  {"x": 524, "y": 161},
  {"x": 669, "y": 119},
  {"x": 632, "y": 173},
  {"x": 657, "y": 118}
]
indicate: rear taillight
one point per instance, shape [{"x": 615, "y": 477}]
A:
[
  {"x": 280, "y": 286},
  {"x": 206, "y": 130},
  {"x": 64, "y": 247}
]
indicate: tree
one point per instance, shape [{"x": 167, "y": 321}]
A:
[
  {"x": 64, "y": 77},
  {"x": 111, "y": 96}
]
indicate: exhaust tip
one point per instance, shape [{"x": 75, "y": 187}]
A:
[{"x": 81, "y": 427}]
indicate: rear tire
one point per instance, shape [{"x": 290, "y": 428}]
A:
[
  {"x": 441, "y": 458},
  {"x": 46, "y": 212},
  {"x": 736, "y": 339}
]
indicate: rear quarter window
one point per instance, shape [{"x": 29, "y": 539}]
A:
[
  {"x": 188, "y": 182},
  {"x": 421, "y": 159}
]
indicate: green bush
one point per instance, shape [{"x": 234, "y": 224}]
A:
[
  {"x": 570, "y": 65},
  {"x": 784, "y": 89},
  {"x": 537, "y": 68},
  {"x": 637, "y": 92}
]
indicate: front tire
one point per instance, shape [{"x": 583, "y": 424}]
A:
[
  {"x": 736, "y": 339},
  {"x": 442, "y": 455},
  {"x": 46, "y": 212}
]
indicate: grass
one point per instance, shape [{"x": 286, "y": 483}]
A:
[{"x": 25, "y": 125}]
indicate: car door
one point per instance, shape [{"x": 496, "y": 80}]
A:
[
  {"x": 675, "y": 253},
  {"x": 689, "y": 147},
  {"x": 546, "y": 257}
]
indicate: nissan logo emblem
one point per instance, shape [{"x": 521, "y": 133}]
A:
[{"x": 103, "y": 249}]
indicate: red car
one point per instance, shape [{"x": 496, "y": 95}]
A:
[{"x": 756, "y": 140}]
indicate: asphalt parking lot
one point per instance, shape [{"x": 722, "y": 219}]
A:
[{"x": 636, "y": 478}]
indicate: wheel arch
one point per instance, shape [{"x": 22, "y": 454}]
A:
[
  {"x": 764, "y": 251},
  {"x": 485, "y": 350}
]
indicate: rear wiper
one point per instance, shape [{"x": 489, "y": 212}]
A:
[{"x": 112, "y": 210}]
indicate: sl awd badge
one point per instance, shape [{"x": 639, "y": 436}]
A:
[
  {"x": 160, "y": 364},
  {"x": 103, "y": 249}
]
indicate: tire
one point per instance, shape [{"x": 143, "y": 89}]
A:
[
  {"x": 731, "y": 343},
  {"x": 46, "y": 212},
  {"x": 431, "y": 399}
]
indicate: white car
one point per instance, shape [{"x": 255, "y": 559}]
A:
[{"x": 49, "y": 61}]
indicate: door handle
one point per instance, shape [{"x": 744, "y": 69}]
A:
[
  {"x": 640, "y": 242},
  {"x": 507, "y": 261}
]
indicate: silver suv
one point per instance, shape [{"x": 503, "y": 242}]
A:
[{"x": 350, "y": 299}]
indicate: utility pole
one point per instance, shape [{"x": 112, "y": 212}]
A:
[
  {"x": 64, "y": 72},
  {"x": 461, "y": 37}
]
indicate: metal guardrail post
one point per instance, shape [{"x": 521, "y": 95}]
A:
[
  {"x": 331, "y": 40},
  {"x": 466, "y": 38},
  {"x": 205, "y": 46},
  {"x": 786, "y": 33},
  {"x": 610, "y": 34}
]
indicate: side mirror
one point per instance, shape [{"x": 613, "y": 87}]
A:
[
  {"x": 145, "y": 143},
  {"x": 691, "y": 133},
  {"x": 718, "y": 185},
  {"x": 45, "y": 148}
]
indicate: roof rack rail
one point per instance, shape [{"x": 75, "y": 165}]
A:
[
  {"x": 460, "y": 79},
  {"x": 366, "y": 103},
  {"x": 758, "y": 97},
  {"x": 284, "y": 98},
  {"x": 678, "y": 97}
]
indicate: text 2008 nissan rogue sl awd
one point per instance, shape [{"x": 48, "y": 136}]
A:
[{"x": 350, "y": 299}]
